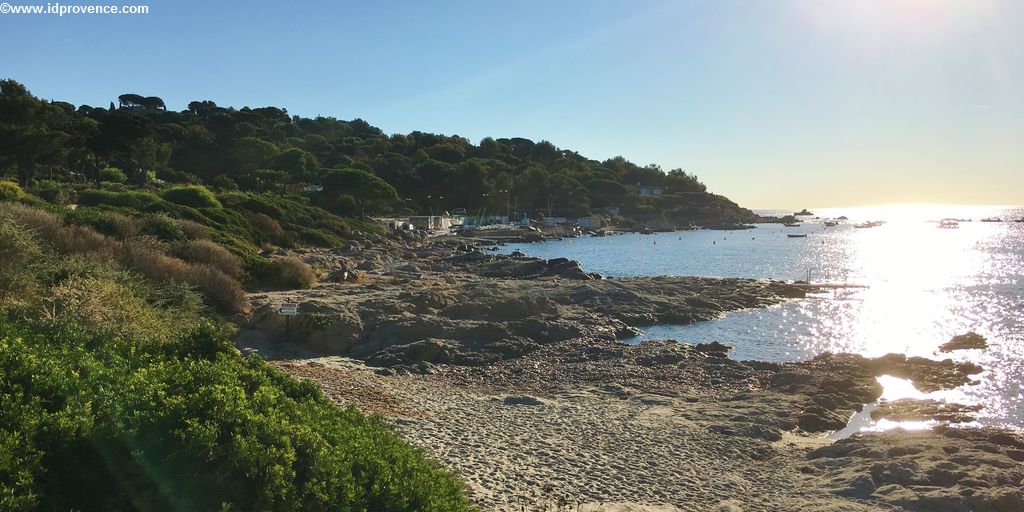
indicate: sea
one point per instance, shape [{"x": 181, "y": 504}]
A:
[{"x": 911, "y": 287}]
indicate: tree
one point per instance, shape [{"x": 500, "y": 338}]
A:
[
  {"x": 299, "y": 164},
  {"x": 29, "y": 134},
  {"x": 371, "y": 193},
  {"x": 251, "y": 153},
  {"x": 678, "y": 180},
  {"x": 605, "y": 192}
]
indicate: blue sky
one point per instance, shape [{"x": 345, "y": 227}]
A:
[{"x": 774, "y": 104}]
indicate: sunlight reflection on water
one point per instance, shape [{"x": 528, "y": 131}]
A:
[{"x": 924, "y": 285}]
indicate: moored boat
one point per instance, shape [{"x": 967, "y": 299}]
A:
[
  {"x": 804, "y": 235},
  {"x": 949, "y": 224}
]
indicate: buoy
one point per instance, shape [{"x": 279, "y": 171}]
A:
[{"x": 712, "y": 242}]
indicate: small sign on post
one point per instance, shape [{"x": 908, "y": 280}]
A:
[{"x": 288, "y": 309}]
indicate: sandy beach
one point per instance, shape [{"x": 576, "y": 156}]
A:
[{"x": 508, "y": 372}]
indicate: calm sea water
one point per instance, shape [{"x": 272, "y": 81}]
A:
[{"x": 922, "y": 285}]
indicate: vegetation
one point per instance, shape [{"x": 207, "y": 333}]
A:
[
  {"x": 348, "y": 168},
  {"x": 119, "y": 390},
  {"x": 129, "y": 234}
]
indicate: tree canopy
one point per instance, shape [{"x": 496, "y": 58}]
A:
[{"x": 265, "y": 149}]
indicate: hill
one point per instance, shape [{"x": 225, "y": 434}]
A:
[{"x": 350, "y": 168}]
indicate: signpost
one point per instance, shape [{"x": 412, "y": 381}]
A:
[{"x": 288, "y": 309}]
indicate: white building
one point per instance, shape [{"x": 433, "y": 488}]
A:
[{"x": 647, "y": 191}]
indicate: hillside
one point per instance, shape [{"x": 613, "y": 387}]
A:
[{"x": 57, "y": 150}]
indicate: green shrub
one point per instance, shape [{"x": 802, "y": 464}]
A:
[
  {"x": 162, "y": 227},
  {"x": 113, "y": 175},
  {"x": 107, "y": 222},
  {"x": 192, "y": 195},
  {"x": 89, "y": 424},
  {"x": 10, "y": 191},
  {"x": 140, "y": 201},
  {"x": 54, "y": 192}
]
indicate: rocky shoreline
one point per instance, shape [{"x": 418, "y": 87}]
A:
[{"x": 510, "y": 371}]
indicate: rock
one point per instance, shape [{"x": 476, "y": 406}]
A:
[
  {"x": 861, "y": 487},
  {"x": 997, "y": 500},
  {"x": 366, "y": 265},
  {"x": 971, "y": 340},
  {"x": 713, "y": 347},
  {"x": 428, "y": 350},
  {"x": 899, "y": 472},
  {"x": 522, "y": 400}
]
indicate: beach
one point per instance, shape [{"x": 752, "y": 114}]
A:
[{"x": 510, "y": 372}]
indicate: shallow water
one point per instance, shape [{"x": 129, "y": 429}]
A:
[{"x": 923, "y": 285}]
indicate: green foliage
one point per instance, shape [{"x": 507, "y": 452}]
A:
[
  {"x": 369, "y": 191},
  {"x": 265, "y": 151},
  {"x": 113, "y": 175},
  {"x": 10, "y": 191},
  {"x": 141, "y": 201},
  {"x": 87, "y": 425},
  {"x": 195, "y": 196}
]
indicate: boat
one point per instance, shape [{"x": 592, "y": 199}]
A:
[
  {"x": 992, "y": 219},
  {"x": 869, "y": 224},
  {"x": 791, "y": 224},
  {"x": 831, "y": 223},
  {"x": 949, "y": 224},
  {"x": 843, "y": 217},
  {"x": 803, "y": 235}
]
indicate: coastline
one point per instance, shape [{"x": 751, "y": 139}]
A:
[{"x": 508, "y": 370}]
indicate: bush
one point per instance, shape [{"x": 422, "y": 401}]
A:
[
  {"x": 209, "y": 253},
  {"x": 10, "y": 191},
  {"x": 290, "y": 273},
  {"x": 223, "y": 292},
  {"x": 109, "y": 223},
  {"x": 18, "y": 253},
  {"x": 44, "y": 224},
  {"x": 193, "y": 195},
  {"x": 264, "y": 224},
  {"x": 54, "y": 192},
  {"x": 113, "y": 175},
  {"x": 92, "y": 424},
  {"x": 194, "y": 230},
  {"x": 162, "y": 227},
  {"x": 140, "y": 201}
]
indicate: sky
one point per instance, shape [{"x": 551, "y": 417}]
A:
[{"x": 774, "y": 104}]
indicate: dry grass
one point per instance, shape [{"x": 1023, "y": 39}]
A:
[
  {"x": 122, "y": 226},
  {"x": 79, "y": 239},
  {"x": 223, "y": 290},
  {"x": 42, "y": 223},
  {"x": 265, "y": 224},
  {"x": 194, "y": 230},
  {"x": 212, "y": 272},
  {"x": 291, "y": 272},
  {"x": 210, "y": 253}
]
